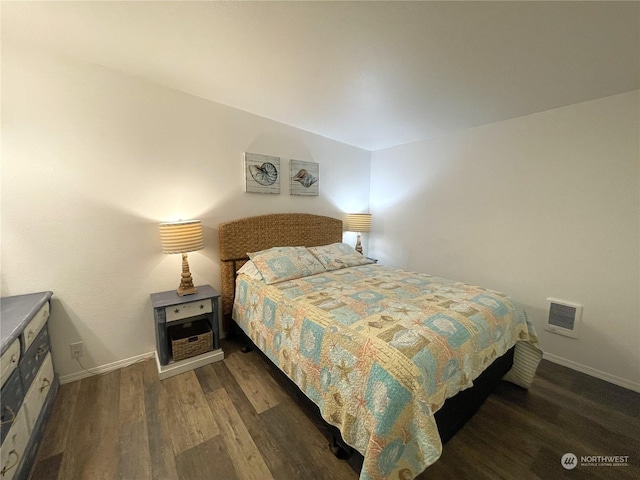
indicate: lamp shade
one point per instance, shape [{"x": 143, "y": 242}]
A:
[
  {"x": 182, "y": 236},
  {"x": 359, "y": 222}
]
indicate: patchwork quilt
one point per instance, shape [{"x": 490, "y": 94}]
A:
[{"x": 379, "y": 350}]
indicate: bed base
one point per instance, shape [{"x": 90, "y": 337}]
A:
[{"x": 453, "y": 415}]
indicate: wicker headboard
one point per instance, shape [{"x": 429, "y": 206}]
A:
[{"x": 253, "y": 234}]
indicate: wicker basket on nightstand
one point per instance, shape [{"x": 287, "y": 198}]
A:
[{"x": 192, "y": 340}]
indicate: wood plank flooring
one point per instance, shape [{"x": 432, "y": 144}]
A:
[{"x": 238, "y": 419}]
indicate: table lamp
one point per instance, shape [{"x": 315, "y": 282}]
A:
[
  {"x": 359, "y": 222},
  {"x": 181, "y": 237}
]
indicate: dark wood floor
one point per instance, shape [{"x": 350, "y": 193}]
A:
[{"x": 238, "y": 419}]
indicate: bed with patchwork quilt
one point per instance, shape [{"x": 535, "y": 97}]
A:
[{"x": 378, "y": 350}]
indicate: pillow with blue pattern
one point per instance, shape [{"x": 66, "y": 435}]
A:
[
  {"x": 338, "y": 255},
  {"x": 250, "y": 270},
  {"x": 278, "y": 264}
]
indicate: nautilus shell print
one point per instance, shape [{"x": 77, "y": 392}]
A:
[
  {"x": 265, "y": 174},
  {"x": 262, "y": 173},
  {"x": 305, "y": 178}
]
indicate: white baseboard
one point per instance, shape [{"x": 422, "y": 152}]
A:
[
  {"x": 104, "y": 368},
  {"x": 593, "y": 372}
]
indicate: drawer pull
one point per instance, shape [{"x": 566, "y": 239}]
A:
[
  {"x": 45, "y": 383},
  {"x": 41, "y": 350},
  {"x": 14, "y": 359},
  {"x": 30, "y": 334},
  {"x": 7, "y": 467},
  {"x": 13, "y": 416}
]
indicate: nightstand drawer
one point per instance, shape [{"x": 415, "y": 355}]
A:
[{"x": 186, "y": 310}]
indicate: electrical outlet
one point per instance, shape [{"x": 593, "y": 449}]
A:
[{"x": 76, "y": 350}]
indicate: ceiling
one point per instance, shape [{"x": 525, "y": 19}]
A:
[{"x": 370, "y": 74}]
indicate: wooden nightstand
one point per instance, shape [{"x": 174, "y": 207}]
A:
[{"x": 170, "y": 309}]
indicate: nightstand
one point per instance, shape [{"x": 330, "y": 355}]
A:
[{"x": 170, "y": 309}]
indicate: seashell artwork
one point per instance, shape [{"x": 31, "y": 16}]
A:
[
  {"x": 304, "y": 178},
  {"x": 262, "y": 173},
  {"x": 265, "y": 174}
]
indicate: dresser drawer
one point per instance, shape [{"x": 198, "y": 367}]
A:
[
  {"x": 9, "y": 360},
  {"x": 33, "y": 358},
  {"x": 11, "y": 398},
  {"x": 38, "y": 392},
  {"x": 35, "y": 325},
  {"x": 186, "y": 310},
  {"x": 14, "y": 446}
]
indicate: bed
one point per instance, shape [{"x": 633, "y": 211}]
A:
[{"x": 381, "y": 352}]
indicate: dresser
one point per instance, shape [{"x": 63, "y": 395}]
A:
[{"x": 29, "y": 383}]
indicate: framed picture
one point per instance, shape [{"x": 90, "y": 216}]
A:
[
  {"x": 262, "y": 173},
  {"x": 305, "y": 177}
]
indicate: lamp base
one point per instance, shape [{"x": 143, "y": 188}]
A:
[
  {"x": 186, "y": 291},
  {"x": 359, "y": 244},
  {"x": 186, "y": 282}
]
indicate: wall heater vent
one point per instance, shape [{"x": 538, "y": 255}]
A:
[{"x": 564, "y": 317}]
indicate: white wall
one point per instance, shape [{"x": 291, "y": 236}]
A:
[
  {"x": 545, "y": 205},
  {"x": 93, "y": 159}
]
